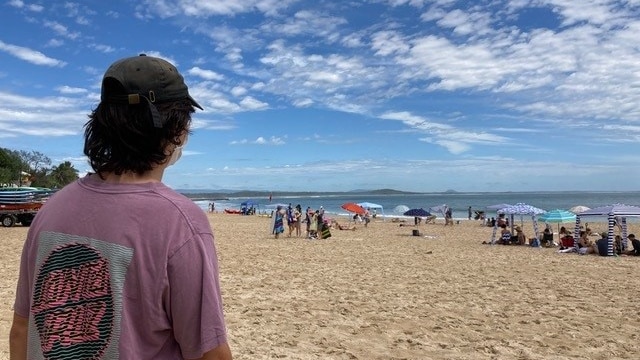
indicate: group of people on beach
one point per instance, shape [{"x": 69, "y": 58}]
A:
[
  {"x": 318, "y": 225},
  {"x": 566, "y": 242},
  {"x": 293, "y": 217}
]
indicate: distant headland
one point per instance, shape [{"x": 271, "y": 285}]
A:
[{"x": 226, "y": 194}]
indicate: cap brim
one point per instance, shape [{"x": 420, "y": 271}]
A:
[{"x": 194, "y": 103}]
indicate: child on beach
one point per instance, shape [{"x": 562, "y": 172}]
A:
[{"x": 117, "y": 264}]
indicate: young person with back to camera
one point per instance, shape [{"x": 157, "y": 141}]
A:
[{"x": 117, "y": 265}]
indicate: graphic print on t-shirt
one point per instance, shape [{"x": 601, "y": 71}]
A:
[{"x": 75, "y": 308}]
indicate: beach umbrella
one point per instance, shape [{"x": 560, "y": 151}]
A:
[
  {"x": 497, "y": 206},
  {"x": 439, "y": 209},
  {"x": 521, "y": 209},
  {"x": 578, "y": 209},
  {"x": 557, "y": 216},
  {"x": 354, "y": 208},
  {"x": 400, "y": 209},
  {"x": 417, "y": 213}
]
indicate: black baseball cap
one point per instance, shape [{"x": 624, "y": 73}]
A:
[{"x": 144, "y": 80}]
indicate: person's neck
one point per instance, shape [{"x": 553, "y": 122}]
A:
[{"x": 129, "y": 177}]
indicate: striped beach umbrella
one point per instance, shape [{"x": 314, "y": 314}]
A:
[{"x": 557, "y": 216}]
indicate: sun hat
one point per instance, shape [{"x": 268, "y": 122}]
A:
[{"x": 145, "y": 80}]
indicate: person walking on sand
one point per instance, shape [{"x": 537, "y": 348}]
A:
[
  {"x": 448, "y": 217},
  {"x": 135, "y": 277}
]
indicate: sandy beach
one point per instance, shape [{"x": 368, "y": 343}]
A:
[{"x": 381, "y": 293}]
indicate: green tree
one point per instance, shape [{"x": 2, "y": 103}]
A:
[
  {"x": 62, "y": 175},
  {"x": 11, "y": 166}
]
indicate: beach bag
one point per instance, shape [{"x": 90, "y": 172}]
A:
[
  {"x": 567, "y": 242},
  {"x": 535, "y": 242}
]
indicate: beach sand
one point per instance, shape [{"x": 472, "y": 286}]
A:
[{"x": 381, "y": 293}]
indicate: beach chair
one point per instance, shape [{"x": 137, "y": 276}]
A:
[{"x": 430, "y": 219}]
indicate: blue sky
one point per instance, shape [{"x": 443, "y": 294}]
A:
[{"x": 419, "y": 95}]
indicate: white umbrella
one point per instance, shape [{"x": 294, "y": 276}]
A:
[
  {"x": 578, "y": 209},
  {"x": 400, "y": 209}
]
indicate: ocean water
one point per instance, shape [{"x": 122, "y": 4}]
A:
[{"x": 458, "y": 202}]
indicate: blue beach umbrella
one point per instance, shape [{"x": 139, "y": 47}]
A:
[
  {"x": 417, "y": 212},
  {"x": 557, "y": 216}
]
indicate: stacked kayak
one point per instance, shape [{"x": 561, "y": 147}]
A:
[{"x": 20, "y": 204}]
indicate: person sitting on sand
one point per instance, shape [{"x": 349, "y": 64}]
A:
[
  {"x": 505, "y": 235},
  {"x": 520, "y": 238},
  {"x": 585, "y": 245},
  {"x": 636, "y": 246},
  {"x": 547, "y": 238},
  {"x": 336, "y": 225},
  {"x": 602, "y": 244}
]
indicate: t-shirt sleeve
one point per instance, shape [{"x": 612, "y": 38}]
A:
[
  {"x": 23, "y": 289},
  {"x": 195, "y": 302}
]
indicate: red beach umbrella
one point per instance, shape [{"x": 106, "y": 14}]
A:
[{"x": 354, "y": 208}]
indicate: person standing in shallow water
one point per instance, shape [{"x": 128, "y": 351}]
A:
[{"x": 137, "y": 276}]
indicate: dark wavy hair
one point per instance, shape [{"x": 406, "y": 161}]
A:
[{"x": 120, "y": 138}]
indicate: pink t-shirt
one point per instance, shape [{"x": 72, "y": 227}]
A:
[{"x": 124, "y": 271}]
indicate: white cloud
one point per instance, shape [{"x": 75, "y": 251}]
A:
[
  {"x": 205, "y": 8},
  {"x": 21, "y": 5},
  {"x": 455, "y": 140},
  {"x": 273, "y": 140},
  {"x": 61, "y": 30},
  {"x": 205, "y": 74},
  {"x": 32, "y": 56},
  {"x": 102, "y": 48},
  {"x": 70, "y": 90},
  {"x": 385, "y": 43},
  {"x": 55, "y": 43},
  {"x": 250, "y": 103},
  {"x": 16, "y": 3},
  {"x": 238, "y": 91}
]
